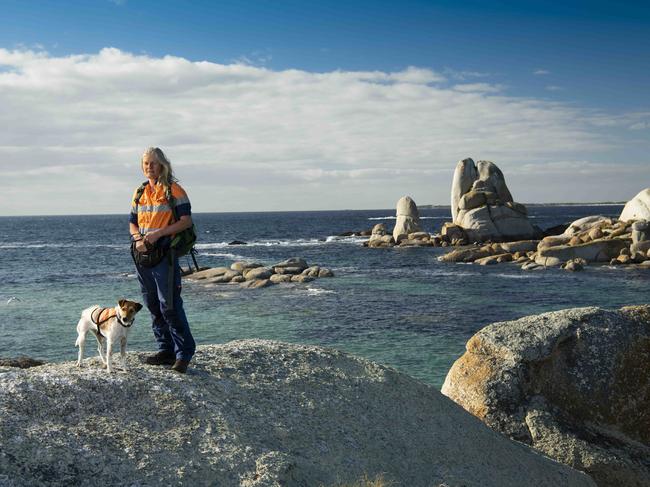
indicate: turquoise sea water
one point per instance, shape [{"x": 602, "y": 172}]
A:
[{"x": 400, "y": 307}]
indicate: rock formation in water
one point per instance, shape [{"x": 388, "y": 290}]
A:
[
  {"x": 573, "y": 384},
  {"x": 408, "y": 219},
  {"x": 253, "y": 275},
  {"x": 638, "y": 208},
  {"x": 482, "y": 204},
  {"x": 380, "y": 237},
  {"x": 251, "y": 413},
  {"x": 592, "y": 239}
]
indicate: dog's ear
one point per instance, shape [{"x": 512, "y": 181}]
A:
[
  {"x": 138, "y": 307},
  {"x": 121, "y": 302}
]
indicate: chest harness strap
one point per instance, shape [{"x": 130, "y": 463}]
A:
[{"x": 101, "y": 315}]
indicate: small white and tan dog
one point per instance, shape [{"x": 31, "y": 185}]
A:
[{"x": 109, "y": 325}]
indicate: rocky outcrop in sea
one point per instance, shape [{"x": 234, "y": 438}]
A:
[
  {"x": 406, "y": 232},
  {"x": 573, "y": 384},
  {"x": 638, "y": 208},
  {"x": 251, "y": 413},
  {"x": 589, "y": 240},
  {"x": 482, "y": 206},
  {"x": 408, "y": 219},
  {"x": 253, "y": 275}
]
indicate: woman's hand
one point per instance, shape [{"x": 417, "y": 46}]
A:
[
  {"x": 151, "y": 238},
  {"x": 140, "y": 246}
]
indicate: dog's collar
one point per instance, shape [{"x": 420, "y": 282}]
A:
[{"x": 124, "y": 323}]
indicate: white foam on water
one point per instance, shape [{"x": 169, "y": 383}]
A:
[
  {"x": 224, "y": 295},
  {"x": 316, "y": 291},
  {"x": 421, "y": 218},
  {"x": 519, "y": 276},
  {"x": 348, "y": 240},
  {"x": 300, "y": 242},
  {"x": 224, "y": 254},
  {"x": 22, "y": 245},
  {"x": 346, "y": 269},
  {"x": 454, "y": 274},
  {"x": 216, "y": 245}
]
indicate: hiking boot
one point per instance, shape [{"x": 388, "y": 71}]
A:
[
  {"x": 180, "y": 366},
  {"x": 161, "y": 358}
]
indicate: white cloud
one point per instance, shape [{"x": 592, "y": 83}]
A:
[
  {"x": 464, "y": 75},
  {"x": 541, "y": 72},
  {"x": 554, "y": 88},
  {"x": 640, "y": 125},
  {"x": 249, "y": 138},
  {"x": 478, "y": 88}
]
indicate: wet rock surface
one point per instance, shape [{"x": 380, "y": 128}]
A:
[{"x": 250, "y": 413}]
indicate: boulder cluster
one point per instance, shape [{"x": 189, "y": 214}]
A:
[
  {"x": 482, "y": 211},
  {"x": 253, "y": 275},
  {"x": 593, "y": 239},
  {"x": 598, "y": 239},
  {"x": 572, "y": 384},
  {"x": 380, "y": 238},
  {"x": 407, "y": 231}
]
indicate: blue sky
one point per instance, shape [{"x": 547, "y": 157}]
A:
[
  {"x": 588, "y": 60},
  {"x": 595, "y": 52}
]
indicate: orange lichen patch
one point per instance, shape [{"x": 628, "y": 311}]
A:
[
  {"x": 468, "y": 380},
  {"x": 474, "y": 345}
]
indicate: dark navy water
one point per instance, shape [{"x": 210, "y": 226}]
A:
[{"x": 399, "y": 306}]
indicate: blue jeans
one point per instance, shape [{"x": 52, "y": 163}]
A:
[{"x": 170, "y": 326}]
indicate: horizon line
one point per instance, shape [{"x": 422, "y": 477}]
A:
[{"x": 593, "y": 203}]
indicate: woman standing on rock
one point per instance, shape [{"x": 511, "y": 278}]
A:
[{"x": 152, "y": 226}]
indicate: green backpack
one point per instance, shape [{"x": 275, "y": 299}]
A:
[{"x": 183, "y": 242}]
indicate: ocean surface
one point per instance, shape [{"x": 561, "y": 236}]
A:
[{"x": 399, "y": 307}]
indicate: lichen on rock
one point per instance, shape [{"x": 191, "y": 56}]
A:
[{"x": 572, "y": 384}]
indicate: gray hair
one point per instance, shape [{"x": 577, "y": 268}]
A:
[{"x": 166, "y": 172}]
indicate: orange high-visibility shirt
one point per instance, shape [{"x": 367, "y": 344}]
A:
[{"x": 153, "y": 211}]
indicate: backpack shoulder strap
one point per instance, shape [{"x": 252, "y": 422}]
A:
[
  {"x": 172, "y": 201},
  {"x": 138, "y": 194},
  {"x": 170, "y": 198}
]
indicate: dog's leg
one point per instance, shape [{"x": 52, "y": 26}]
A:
[
  {"x": 100, "y": 348},
  {"x": 123, "y": 352},
  {"x": 109, "y": 354},
  {"x": 81, "y": 341}
]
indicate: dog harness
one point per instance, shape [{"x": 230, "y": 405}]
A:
[{"x": 101, "y": 315}]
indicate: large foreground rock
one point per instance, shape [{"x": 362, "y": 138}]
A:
[
  {"x": 251, "y": 413},
  {"x": 573, "y": 384}
]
